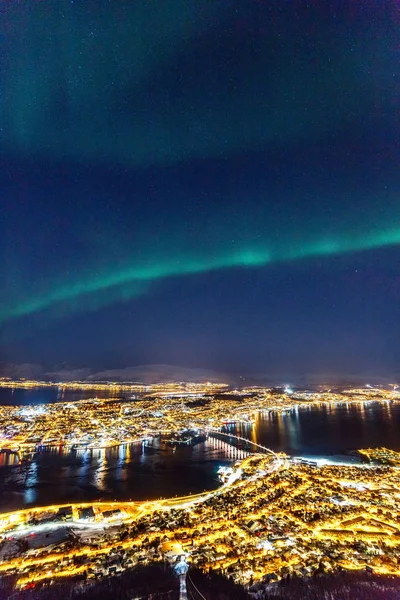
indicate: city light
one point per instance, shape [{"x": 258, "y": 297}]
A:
[{"x": 272, "y": 514}]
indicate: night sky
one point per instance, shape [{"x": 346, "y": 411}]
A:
[{"x": 211, "y": 184}]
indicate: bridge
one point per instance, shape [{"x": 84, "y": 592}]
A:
[{"x": 241, "y": 443}]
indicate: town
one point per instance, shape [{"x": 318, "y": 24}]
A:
[
  {"x": 271, "y": 517},
  {"x": 154, "y": 411}
]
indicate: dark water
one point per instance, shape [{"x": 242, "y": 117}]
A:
[
  {"x": 137, "y": 472},
  {"x": 327, "y": 430},
  {"x": 19, "y": 396},
  {"x": 130, "y": 472}
]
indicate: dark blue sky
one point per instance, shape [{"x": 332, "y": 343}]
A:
[{"x": 214, "y": 185}]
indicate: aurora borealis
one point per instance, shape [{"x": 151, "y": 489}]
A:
[
  {"x": 130, "y": 282},
  {"x": 212, "y": 179}
]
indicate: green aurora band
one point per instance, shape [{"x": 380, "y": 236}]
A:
[{"x": 135, "y": 281}]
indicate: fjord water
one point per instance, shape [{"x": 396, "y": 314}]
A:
[
  {"x": 46, "y": 395},
  {"x": 329, "y": 429},
  {"x": 146, "y": 472}
]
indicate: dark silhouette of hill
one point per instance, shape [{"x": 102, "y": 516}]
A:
[{"x": 159, "y": 582}]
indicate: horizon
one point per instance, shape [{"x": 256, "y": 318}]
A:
[{"x": 159, "y": 374}]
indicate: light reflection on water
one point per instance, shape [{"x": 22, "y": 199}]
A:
[
  {"x": 42, "y": 395},
  {"x": 124, "y": 472},
  {"x": 326, "y": 429},
  {"x": 140, "y": 472}
]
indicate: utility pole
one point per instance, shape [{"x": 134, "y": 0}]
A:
[{"x": 181, "y": 568}]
